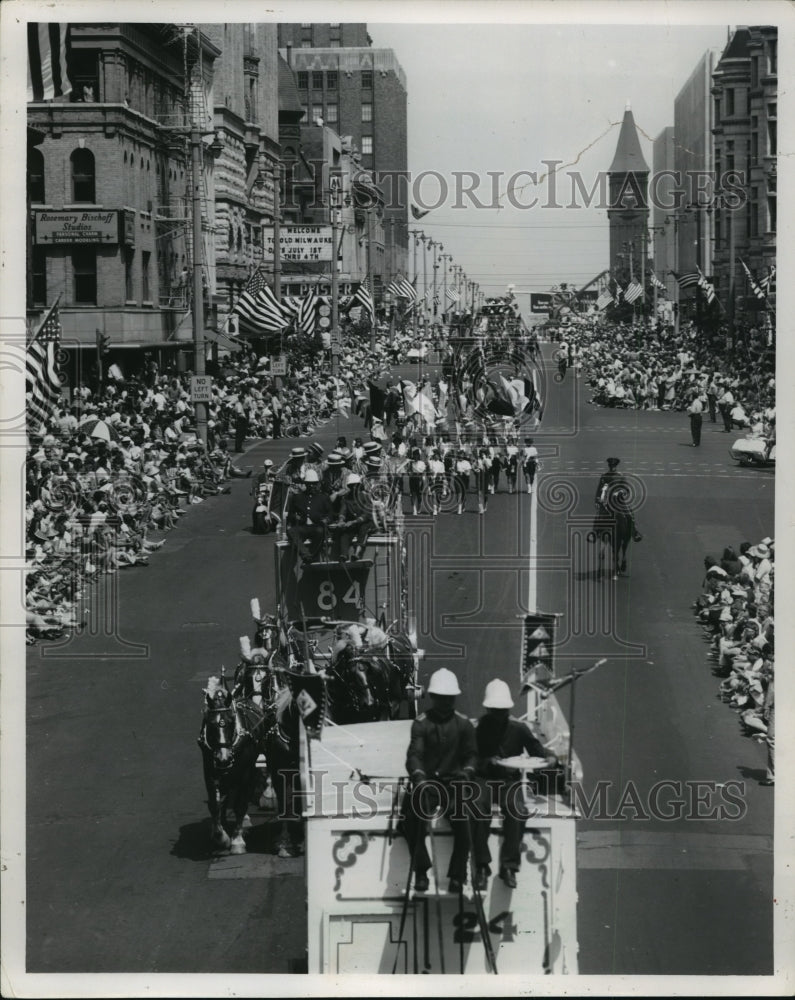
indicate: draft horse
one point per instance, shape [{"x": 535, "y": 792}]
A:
[
  {"x": 229, "y": 754},
  {"x": 612, "y": 532}
]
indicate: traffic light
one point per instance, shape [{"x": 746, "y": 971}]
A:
[{"x": 103, "y": 344}]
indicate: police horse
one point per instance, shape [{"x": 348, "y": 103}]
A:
[{"x": 612, "y": 530}]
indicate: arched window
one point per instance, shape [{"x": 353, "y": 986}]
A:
[
  {"x": 36, "y": 175},
  {"x": 83, "y": 186}
]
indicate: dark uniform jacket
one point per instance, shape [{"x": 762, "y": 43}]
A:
[
  {"x": 441, "y": 748},
  {"x": 302, "y": 506},
  {"x": 504, "y": 737}
]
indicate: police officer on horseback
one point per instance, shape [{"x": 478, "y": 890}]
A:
[{"x": 612, "y": 496}]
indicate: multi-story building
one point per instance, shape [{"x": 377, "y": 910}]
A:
[
  {"x": 663, "y": 202},
  {"x": 360, "y": 92},
  {"x": 744, "y": 91},
  {"x": 628, "y": 212},
  {"x": 246, "y": 125},
  {"x": 695, "y": 172},
  {"x": 111, "y": 158}
]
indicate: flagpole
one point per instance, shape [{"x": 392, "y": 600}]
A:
[
  {"x": 277, "y": 251},
  {"x": 198, "y": 292},
  {"x": 335, "y": 293},
  {"x": 416, "y": 242}
]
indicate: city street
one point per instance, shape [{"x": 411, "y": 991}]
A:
[{"x": 119, "y": 877}]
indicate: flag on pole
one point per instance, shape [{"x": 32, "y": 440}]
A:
[
  {"x": 706, "y": 286},
  {"x": 257, "y": 309},
  {"x": 43, "y": 382},
  {"x": 768, "y": 283},
  {"x": 418, "y": 213},
  {"x": 686, "y": 280},
  {"x": 307, "y": 314},
  {"x": 657, "y": 283},
  {"x": 365, "y": 300},
  {"x": 633, "y": 291},
  {"x": 402, "y": 288},
  {"x": 755, "y": 287},
  {"x": 451, "y": 294},
  {"x": 604, "y": 300},
  {"x": 48, "y": 46}
]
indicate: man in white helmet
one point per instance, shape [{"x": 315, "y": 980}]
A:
[
  {"x": 441, "y": 764},
  {"x": 499, "y": 736},
  {"x": 308, "y": 515}
]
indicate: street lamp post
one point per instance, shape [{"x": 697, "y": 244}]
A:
[{"x": 198, "y": 291}]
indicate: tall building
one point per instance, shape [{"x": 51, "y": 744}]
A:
[
  {"x": 628, "y": 212},
  {"x": 695, "y": 169},
  {"x": 360, "y": 92},
  {"x": 745, "y": 84},
  {"x": 108, "y": 187},
  {"x": 246, "y": 125},
  {"x": 663, "y": 210}
]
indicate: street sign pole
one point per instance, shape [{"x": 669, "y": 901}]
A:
[{"x": 335, "y": 182}]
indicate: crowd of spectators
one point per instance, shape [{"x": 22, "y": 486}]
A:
[
  {"x": 658, "y": 369},
  {"x": 115, "y": 469},
  {"x": 735, "y": 610}
]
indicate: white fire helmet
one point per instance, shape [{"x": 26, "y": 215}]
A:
[
  {"x": 353, "y": 479},
  {"x": 444, "y": 681},
  {"x": 311, "y": 476},
  {"x": 498, "y": 695}
]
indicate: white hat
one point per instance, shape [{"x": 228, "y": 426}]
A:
[
  {"x": 311, "y": 476},
  {"x": 759, "y": 551},
  {"x": 444, "y": 681},
  {"x": 498, "y": 695},
  {"x": 353, "y": 478}
]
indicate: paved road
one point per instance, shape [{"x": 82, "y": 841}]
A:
[{"x": 118, "y": 873}]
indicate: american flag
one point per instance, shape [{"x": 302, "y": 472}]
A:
[
  {"x": 48, "y": 77},
  {"x": 768, "y": 283},
  {"x": 42, "y": 376},
  {"x": 686, "y": 280},
  {"x": 307, "y": 314},
  {"x": 604, "y": 300},
  {"x": 706, "y": 286},
  {"x": 363, "y": 298},
  {"x": 633, "y": 291},
  {"x": 451, "y": 294},
  {"x": 258, "y": 310},
  {"x": 756, "y": 288},
  {"x": 402, "y": 288},
  {"x": 657, "y": 283}
]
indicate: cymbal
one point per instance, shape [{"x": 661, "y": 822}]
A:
[{"x": 520, "y": 763}]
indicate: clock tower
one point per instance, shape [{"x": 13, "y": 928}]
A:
[{"x": 628, "y": 212}]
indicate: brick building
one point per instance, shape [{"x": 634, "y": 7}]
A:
[
  {"x": 99, "y": 177},
  {"x": 360, "y": 92},
  {"x": 745, "y": 140}
]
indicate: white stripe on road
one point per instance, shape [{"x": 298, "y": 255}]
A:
[{"x": 532, "y": 596}]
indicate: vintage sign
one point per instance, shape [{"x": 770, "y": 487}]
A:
[
  {"x": 299, "y": 243},
  {"x": 54, "y": 227},
  {"x": 540, "y": 302},
  {"x": 201, "y": 387},
  {"x": 278, "y": 364}
]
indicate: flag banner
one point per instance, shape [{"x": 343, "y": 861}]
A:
[
  {"x": 365, "y": 300},
  {"x": 43, "y": 382},
  {"x": 48, "y": 77},
  {"x": 757, "y": 290},
  {"x": 307, "y": 314},
  {"x": 418, "y": 213},
  {"x": 657, "y": 283},
  {"x": 633, "y": 291},
  {"x": 604, "y": 300},
  {"x": 258, "y": 311},
  {"x": 686, "y": 280},
  {"x": 768, "y": 283},
  {"x": 451, "y": 294},
  {"x": 706, "y": 287}
]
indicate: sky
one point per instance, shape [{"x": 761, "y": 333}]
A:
[{"x": 505, "y": 98}]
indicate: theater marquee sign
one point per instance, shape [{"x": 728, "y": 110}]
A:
[{"x": 52, "y": 228}]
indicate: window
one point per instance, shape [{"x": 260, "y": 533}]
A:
[
  {"x": 367, "y": 145},
  {"x": 331, "y": 113},
  {"x": 83, "y": 188},
  {"x": 772, "y": 130},
  {"x": 367, "y": 79},
  {"x": 38, "y": 285},
  {"x": 334, "y": 43},
  {"x": 308, "y": 25},
  {"x": 36, "y": 175},
  {"x": 367, "y": 112},
  {"x": 317, "y": 111},
  {"x": 729, "y": 102},
  {"x": 771, "y": 211},
  {"x": 754, "y": 73},
  {"x": 317, "y": 80},
  {"x": 753, "y": 212},
  {"x": 331, "y": 80},
  {"x": 145, "y": 292},
  {"x": 306, "y": 44},
  {"x": 333, "y": 26},
  {"x": 84, "y": 276},
  {"x": 753, "y": 153},
  {"x": 772, "y": 56},
  {"x": 129, "y": 263},
  {"x": 303, "y": 79}
]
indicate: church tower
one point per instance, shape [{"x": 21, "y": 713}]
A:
[{"x": 628, "y": 213}]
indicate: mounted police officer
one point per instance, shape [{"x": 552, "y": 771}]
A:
[{"x": 612, "y": 496}]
